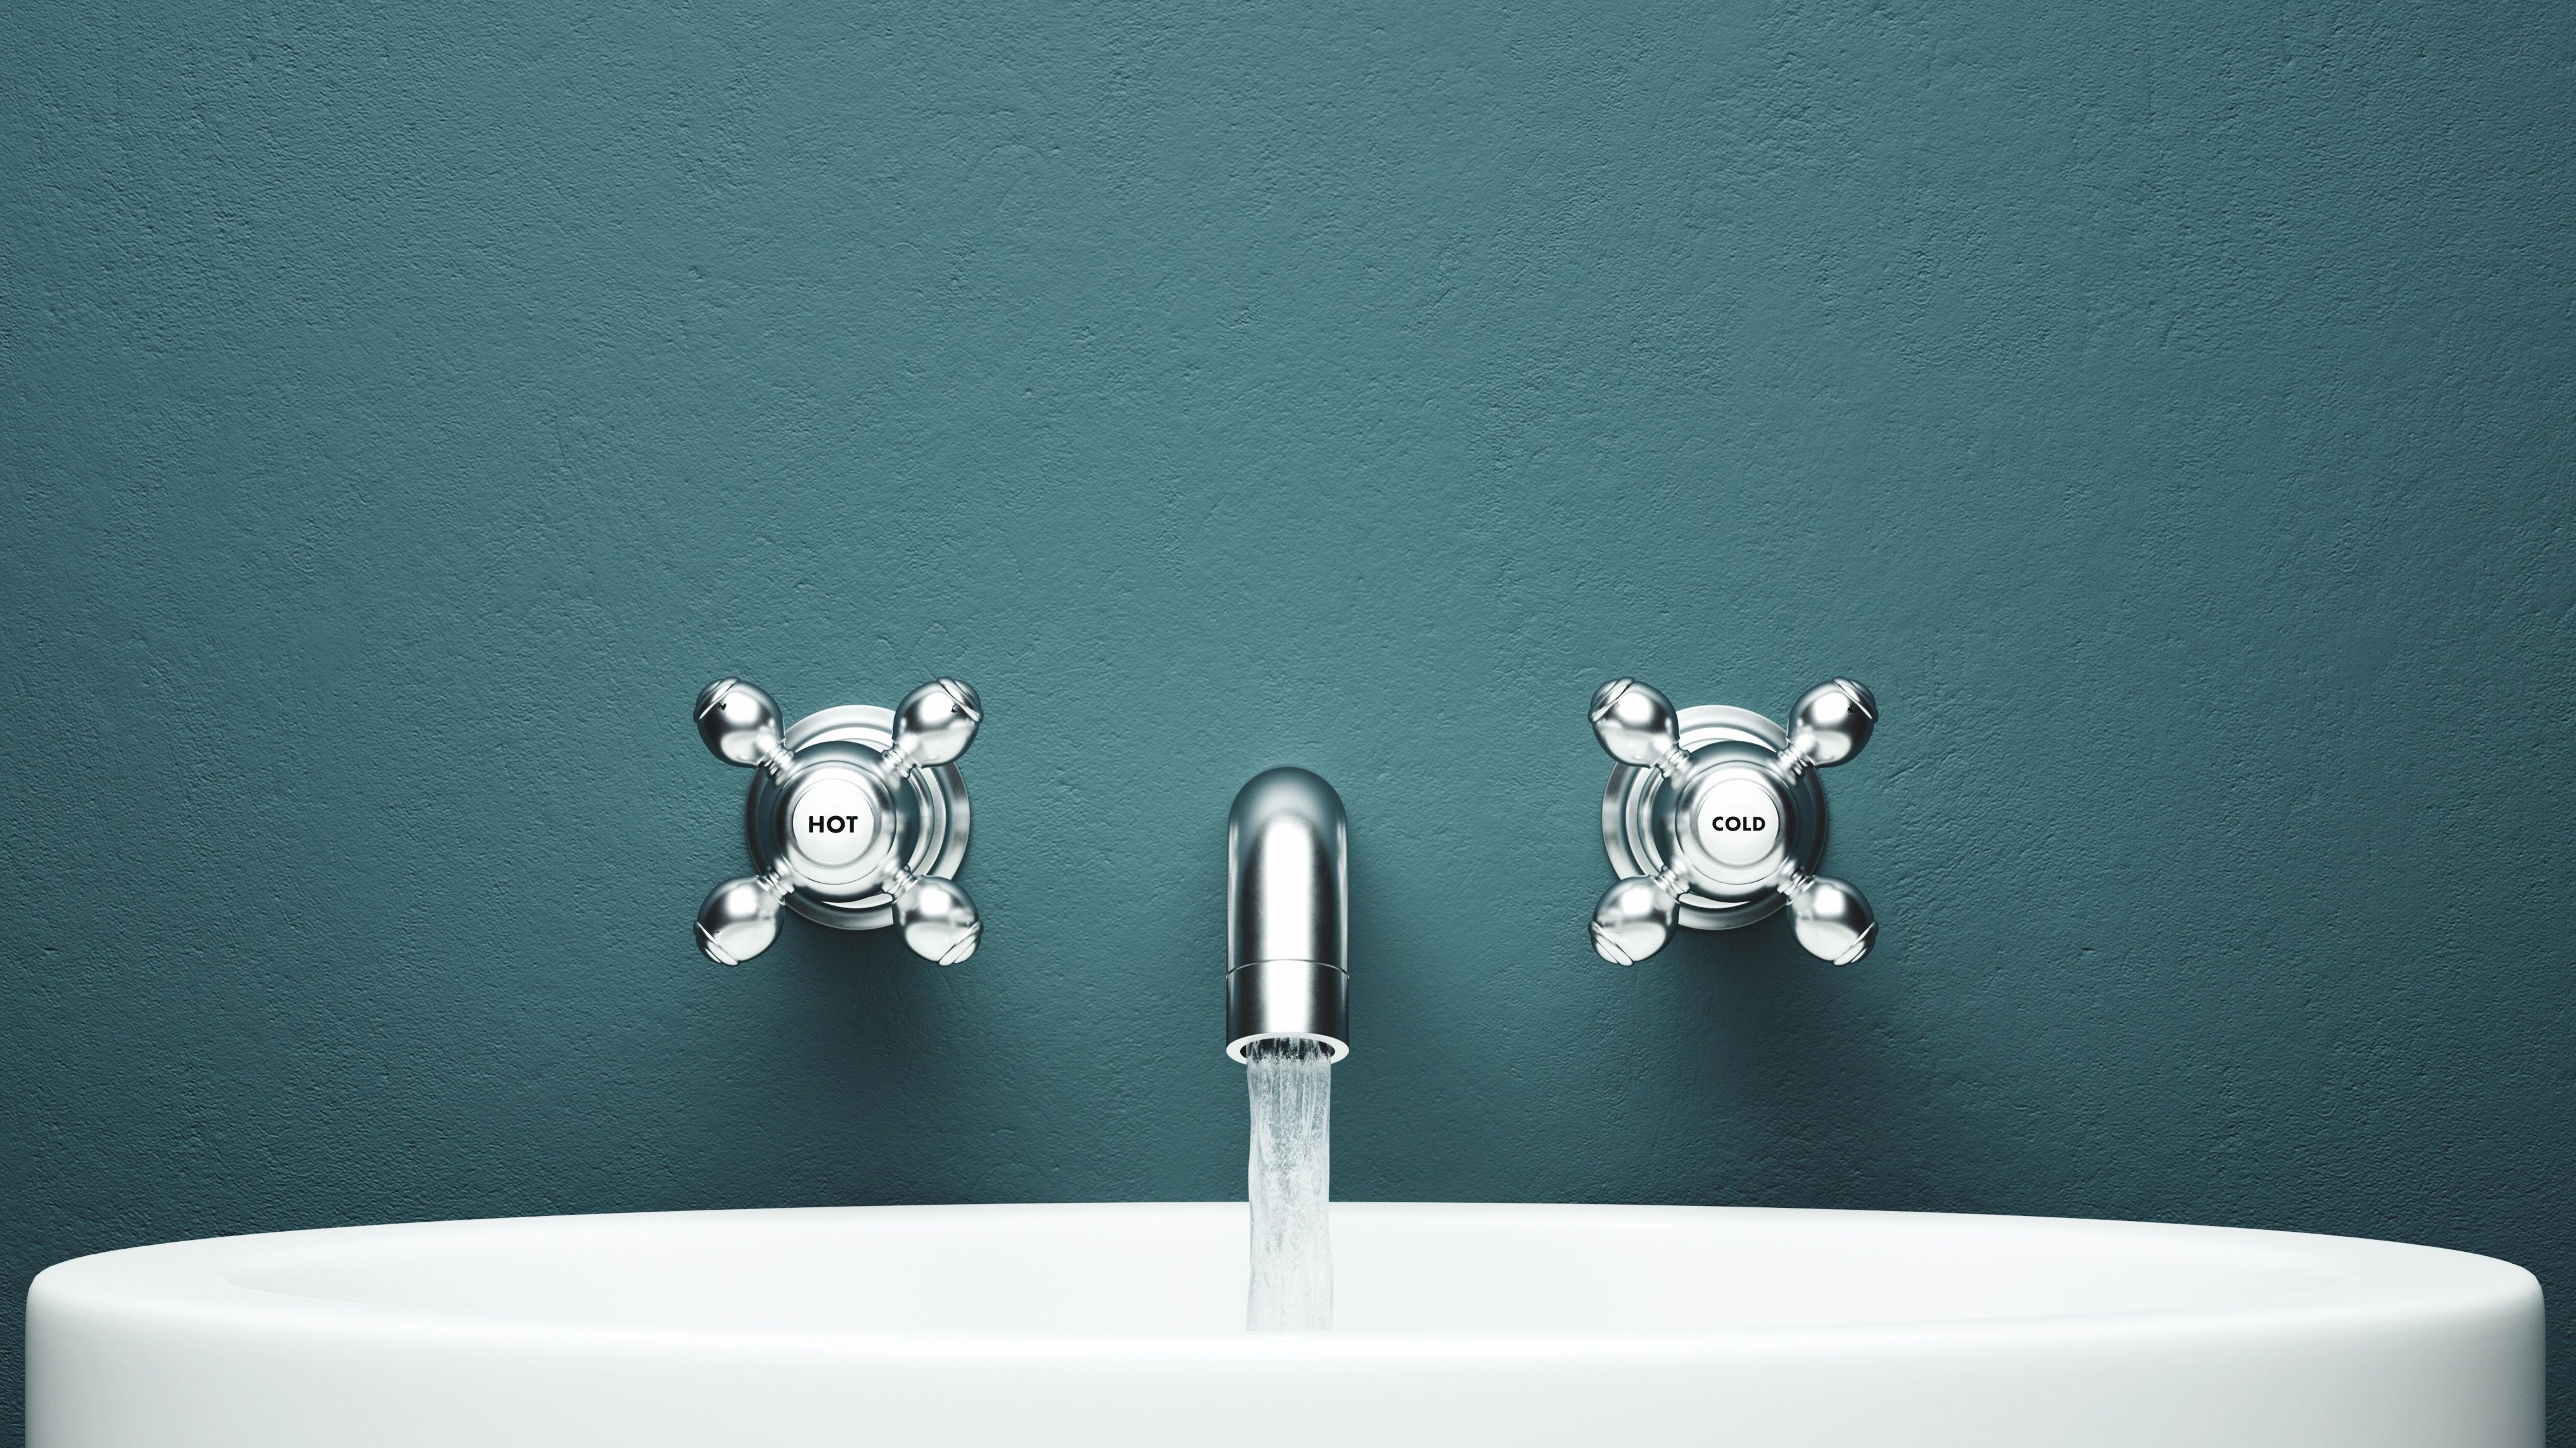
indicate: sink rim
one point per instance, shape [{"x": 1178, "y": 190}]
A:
[{"x": 201, "y": 1281}]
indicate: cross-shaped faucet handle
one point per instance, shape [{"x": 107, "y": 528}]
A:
[
  {"x": 857, "y": 819},
  {"x": 1715, "y": 819}
]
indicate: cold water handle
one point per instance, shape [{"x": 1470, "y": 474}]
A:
[{"x": 1714, "y": 819}]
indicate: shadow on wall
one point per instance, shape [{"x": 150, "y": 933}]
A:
[{"x": 1822, "y": 1091}]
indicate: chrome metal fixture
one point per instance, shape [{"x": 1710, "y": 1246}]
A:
[
  {"x": 857, "y": 819},
  {"x": 1714, "y": 819},
  {"x": 1287, "y": 913}
]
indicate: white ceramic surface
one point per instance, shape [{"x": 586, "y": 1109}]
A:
[{"x": 1484, "y": 1325}]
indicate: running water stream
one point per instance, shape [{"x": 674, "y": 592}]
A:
[{"x": 1291, "y": 1184}]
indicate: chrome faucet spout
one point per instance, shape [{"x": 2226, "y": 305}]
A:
[{"x": 1287, "y": 917}]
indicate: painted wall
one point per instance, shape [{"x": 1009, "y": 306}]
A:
[{"x": 2169, "y": 410}]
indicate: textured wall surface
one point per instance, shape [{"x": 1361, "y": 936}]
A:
[{"x": 2169, "y": 410}]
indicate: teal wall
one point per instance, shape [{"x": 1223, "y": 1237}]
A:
[{"x": 2169, "y": 410}]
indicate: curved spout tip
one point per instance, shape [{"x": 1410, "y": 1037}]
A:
[{"x": 1287, "y": 911}]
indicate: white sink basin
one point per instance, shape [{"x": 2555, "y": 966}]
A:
[{"x": 1483, "y": 1325}]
